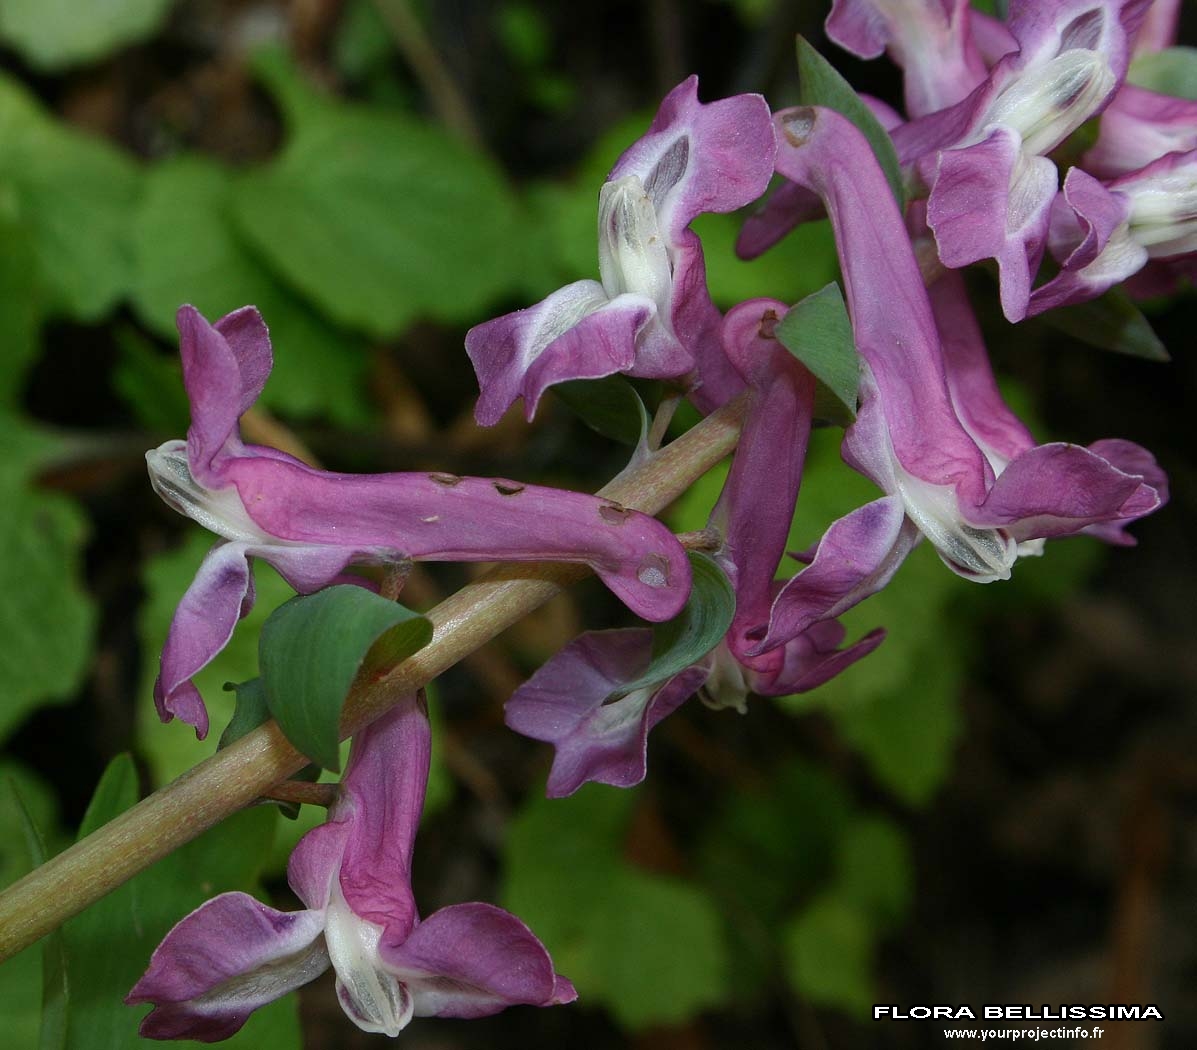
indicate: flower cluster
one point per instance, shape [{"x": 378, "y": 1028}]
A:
[{"x": 987, "y": 102}]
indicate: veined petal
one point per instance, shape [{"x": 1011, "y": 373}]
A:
[
  {"x": 371, "y": 996},
  {"x": 1140, "y": 126},
  {"x": 813, "y": 658},
  {"x": 1158, "y": 30},
  {"x": 574, "y": 703},
  {"x": 224, "y": 960},
  {"x": 220, "y": 595},
  {"x": 443, "y": 517},
  {"x": 697, "y": 158},
  {"x": 1058, "y": 489},
  {"x": 1133, "y": 459},
  {"x": 473, "y": 960},
  {"x": 382, "y": 796},
  {"x": 522, "y": 354},
  {"x": 225, "y": 367},
  {"x": 856, "y": 557},
  {"x": 992, "y": 200}
]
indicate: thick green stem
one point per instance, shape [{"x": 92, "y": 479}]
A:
[{"x": 234, "y": 777}]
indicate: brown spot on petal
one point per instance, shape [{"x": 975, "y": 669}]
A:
[
  {"x": 768, "y": 326},
  {"x": 508, "y": 488},
  {"x": 614, "y": 513},
  {"x": 799, "y": 125},
  {"x": 445, "y": 479}
]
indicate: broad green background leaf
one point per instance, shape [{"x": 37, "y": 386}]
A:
[
  {"x": 829, "y": 955},
  {"x": 21, "y": 976},
  {"x": 46, "y": 618},
  {"x": 187, "y": 251},
  {"x": 312, "y": 647},
  {"x": 109, "y": 944},
  {"x": 378, "y": 218},
  {"x": 20, "y": 312},
  {"x": 1172, "y": 71},
  {"x": 822, "y": 85},
  {"x": 75, "y": 195},
  {"x": 875, "y": 871},
  {"x": 647, "y": 947},
  {"x": 1110, "y": 322},
  {"x": 55, "y": 34},
  {"x": 151, "y": 384},
  {"x": 818, "y": 332}
]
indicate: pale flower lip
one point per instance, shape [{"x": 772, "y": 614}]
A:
[
  {"x": 650, "y": 314},
  {"x": 234, "y": 954},
  {"x": 311, "y": 525}
]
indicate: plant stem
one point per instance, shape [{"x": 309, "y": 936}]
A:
[{"x": 230, "y": 779}]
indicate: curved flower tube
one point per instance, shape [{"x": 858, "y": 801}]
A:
[
  {"x": 312, "y": 524},
  {"x": 908, "y": 436},
  {"x": 650, "y": 315},
  {"x": 234, "y": 954}
]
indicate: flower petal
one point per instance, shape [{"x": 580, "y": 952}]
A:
[
  {"x": 576, "y": 333},
  {"x": 567, "y": 703},
  {"x": 472, "y": 960},
  {"x": 224, "y": 960},
  {"x": 218, "y": 597},
  {"x": 225, "y": 366}
]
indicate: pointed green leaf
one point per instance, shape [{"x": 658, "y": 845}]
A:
[
  {"x": 610, "y": 406},
  {"x": 821, "y": 85},
  {"x": 1110, "y": 322},
  {"x": 312, "y": 648},
  {"x": 818, "y": 332}
]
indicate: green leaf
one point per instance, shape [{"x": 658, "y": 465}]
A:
[
  {"x": 249, "y": 712},
  {"x": 647, "y": 947},
  {"x": 1172, "y": 71},
  {"x": 75, "y": 195},
  {"x": 188, "y": 251},
  {"x": 1110, "y": 322},
  {"x": 695, "y": 631},
  {"x": 821, "y": 85},
  {"x": 109, "y": 944},
  {"x": 20, "y": 308},
  {"x": 610, "y": 406},
  {"x": 875, "y": 871},
  {"x": 46, "y": 618},
  {"x": 55, "y": 992},
  {"x": 312, "y": 648},
  {"x": 829, "y": 955},
  {"x": 55, "y": 34},
  {"x": 151, "y": 384},
  {"x": 378, "y": 218},
  {"x": 819, "y": 334}
]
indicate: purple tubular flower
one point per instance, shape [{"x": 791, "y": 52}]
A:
[
  {"x": 1107, "y": 233},
  {"x": 908, "y": 436},
  {"x": 930, "y": 39},
  {"x": 650, "y": 315},
  {"x": 984, "y": 157},
  {"x": 311, "y": 524},
  {"x": 591, "y": 700},
  {"x": 1159, "y": 27},
  {"x": 234, "y": 954}
]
